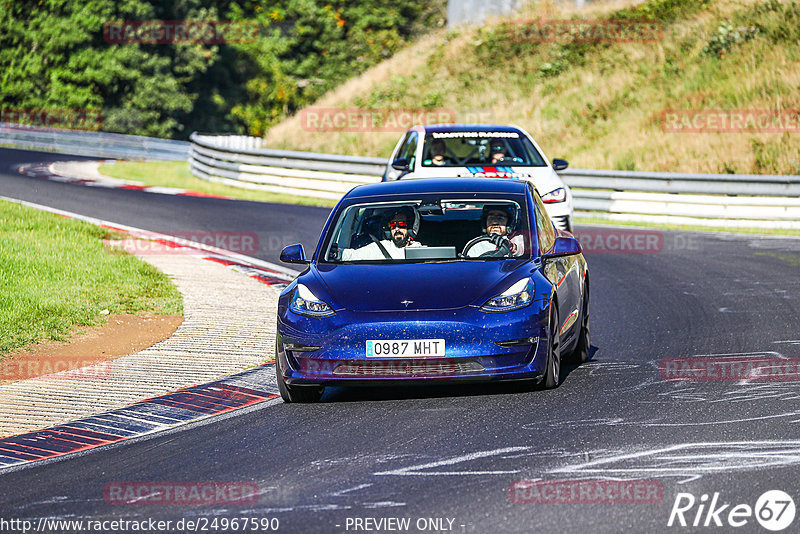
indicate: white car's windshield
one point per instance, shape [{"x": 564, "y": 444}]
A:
[
  {"x": 466, "y": 149},
  {"x": 430, "y": 229}
]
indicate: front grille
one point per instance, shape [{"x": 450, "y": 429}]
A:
[
  {"x": 561, "y": 222},
  {"x": 416, "y": 368}
]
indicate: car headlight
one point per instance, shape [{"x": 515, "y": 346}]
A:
[
  {"x": 558, "y": 195},
  {"x": 304, "y": 302},
  {"x": 515, "y": 297}
]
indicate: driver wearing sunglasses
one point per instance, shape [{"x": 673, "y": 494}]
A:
[{"x": 400, "y": 230}]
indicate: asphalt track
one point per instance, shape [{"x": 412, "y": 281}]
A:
[
  {"x": 275, "y": 225},
  {"x": 453, "y": 452}
]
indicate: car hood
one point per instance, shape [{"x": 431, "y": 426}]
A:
[
  {"x": 418, "y": 286},
  {"x": 544, "y": 178}
]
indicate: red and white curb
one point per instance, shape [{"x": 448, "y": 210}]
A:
[
  {"x": 150, "y": 416},
  {"x": 164, "y": 412},
  {"x": 45, "y": 172}
]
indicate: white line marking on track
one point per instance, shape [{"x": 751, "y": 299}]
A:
[
  {"x": 415, "y": 469},
  {"x": 383, "y": 504},
  {"x": 756, "y": 353},
  {"x": 693, "y": 459},
  {"x": 341, "y": 493}
]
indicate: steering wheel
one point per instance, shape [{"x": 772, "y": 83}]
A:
[{"x": 481, "y": 239}]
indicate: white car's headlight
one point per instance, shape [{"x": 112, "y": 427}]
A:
[
  {"x": 558, "y": 195},
  {"x": 304, "y": 302},
  {"x": 515, "y": 297}
]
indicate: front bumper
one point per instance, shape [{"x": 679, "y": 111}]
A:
[{"x": 471, "y": 336}]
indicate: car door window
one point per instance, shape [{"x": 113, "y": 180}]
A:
[
  {"x": 409, "y": 149},
  {"x": 544, "y": 226}
]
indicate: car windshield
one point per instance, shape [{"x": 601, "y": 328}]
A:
[
  {"x": 432, "y": 229},
  {"x": 474, "y": 148}
]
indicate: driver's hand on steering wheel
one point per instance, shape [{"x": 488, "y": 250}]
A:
[{"x": 500, "y": 241}]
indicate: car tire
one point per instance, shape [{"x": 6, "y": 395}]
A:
[
  {"x": 297, "y": 394},
  {"x": 581, "y": 352},
  {"x": 552, "y": 374}
]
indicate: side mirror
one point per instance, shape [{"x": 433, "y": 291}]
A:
[
  {"x": 564, "y": 246},
  {"x": 400, "y": 164},
  {"x": 560, "y": 164},
  {"x": 294, "y": 254}
]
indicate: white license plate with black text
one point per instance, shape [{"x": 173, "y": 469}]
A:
[{"x": 404, "y": 348}]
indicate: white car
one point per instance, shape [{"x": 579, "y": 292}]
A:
[{"x": 474, "y": 150}]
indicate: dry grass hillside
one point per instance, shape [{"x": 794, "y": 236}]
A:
[{"x": 597, "y": 104}]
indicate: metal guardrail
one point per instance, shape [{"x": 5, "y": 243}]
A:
[
  {"x": 714, "y": 200},
  {"x": 476, "y": 11},
  {"x": 667, "y": 182},
  {"x": 769, "y": 201},
  {"x": 92, "y": 144},
  {"x": 237, "y": 162}
]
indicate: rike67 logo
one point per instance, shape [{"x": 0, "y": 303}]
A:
[{"x": 774, "y": 510}]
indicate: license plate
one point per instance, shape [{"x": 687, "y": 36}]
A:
[{"x": 404, "y": 348}]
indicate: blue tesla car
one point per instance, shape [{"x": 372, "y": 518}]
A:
[{"x": 433, "y": 281}]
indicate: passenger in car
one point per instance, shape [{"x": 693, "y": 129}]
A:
[{"x": 499, "y": 223}]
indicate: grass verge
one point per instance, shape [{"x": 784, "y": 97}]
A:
[
  {"x": 55, "y": 274},
  {"x": 601, "y": 104},
  {"x": 687, "y": 227},
  {"x": 177, "y": 174}
]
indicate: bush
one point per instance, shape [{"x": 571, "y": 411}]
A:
[{"x": 726, "y": 37}]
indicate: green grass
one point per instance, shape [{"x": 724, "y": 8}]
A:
[
  {"x": 56, "y": 274},
  {"x": 792, "y": 259},
  {"x": 598, "y": 105},
  {"x": 177, "y": 174}
]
